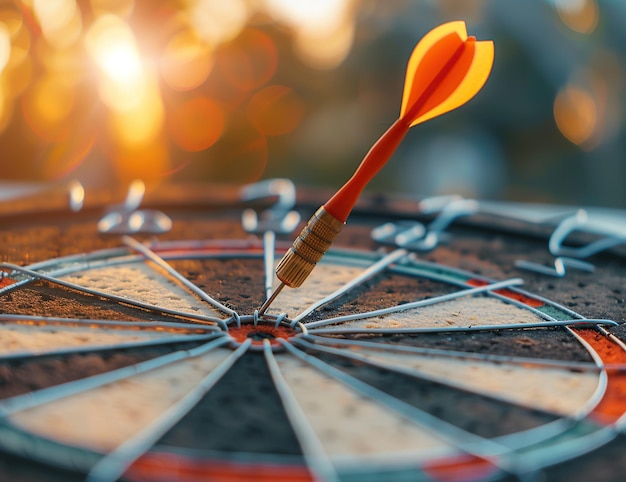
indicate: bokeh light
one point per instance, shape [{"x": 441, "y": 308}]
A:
[
  {"x": 141, "y": 122},
  {"x": 251, "y": 61},
  {"x": 59, "y": 20},
  {"x": 46, "y": 105},
  {"x": 111, "y": 44},
  {"x": 276, "y": 110},
  {"x": 196, "y": 124},
  {"x": 218, "y": 21},
  {"x": 576, "y": 114},
  {"x": 187, "y": 61},
  {"x": 582, "y": 16},
  {"x": 5, "y": 46}
]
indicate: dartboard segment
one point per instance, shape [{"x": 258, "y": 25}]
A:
[{"x": 143, "y": 282}]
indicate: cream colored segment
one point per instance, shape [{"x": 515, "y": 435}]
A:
[
  {"x": 17, "y": 337},
  {"x": 140, "y": 282},
  {"x": 324, "y": 280},
  {"x": 559, "y": 391},
  {"x": 467, "y": 311},
  {"x": 348, "y": 424},
  {"x": 103, "y": 418}
]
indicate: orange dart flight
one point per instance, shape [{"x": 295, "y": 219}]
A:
[{"x": 446, "y": 69}]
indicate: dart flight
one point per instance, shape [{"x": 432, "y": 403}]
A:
[{"x": 446, "y": 69}]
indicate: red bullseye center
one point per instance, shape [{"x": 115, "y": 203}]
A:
[{"x": 263, "y": 330}]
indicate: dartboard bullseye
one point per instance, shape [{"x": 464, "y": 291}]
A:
[{"x": 138, "y": 357}]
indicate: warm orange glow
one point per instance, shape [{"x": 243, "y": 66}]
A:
[
  {"x": 196, "y": 124},
  {"x": 186, "y": 61},
  {"x": 20, "y": 47},
  {"x": 6, "y": 108},
  {"x": 580, "y": 15},
  {"x": 218, "y": 21},
  {"x": 250, "y": 61},
  {"x": 323, "y": 29},
  {"x": 575, "y": 114},
  {"x": 18, "y": 78},
  {"x": 143, "y": 122},
  {"x": 53, "y": 15},
  {"x": 5, "y": 46},
  {"x": 63, "y": 157},
  {"x": 146, "y": 162},
  {"x": 120, "y": 8},
  {"x": 46, "y": 104},
  {"x": 243, "y": 153},
  {"x": 326, "y": 50},
  {"x": 320, "y": 16},
  {"x": 60, "y": 21},
  {"x": 111, "y": 44},
  {"x": 276, "y": 110},
  {"x": 12, "y": 19}
]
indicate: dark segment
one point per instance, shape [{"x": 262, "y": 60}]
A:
[
  {"x": 23, "y": 376},
  {"x": 472, "y": 412},
  {"x": 41, "y": 298},
  {"x": 241, "y": 413},
  {"x": 382, "y": 291},
  {"x": 552, "y": 343},
  {"x": 217, "y": 277}
]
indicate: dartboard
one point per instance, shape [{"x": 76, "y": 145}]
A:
[{"x": 135, "y": 353}]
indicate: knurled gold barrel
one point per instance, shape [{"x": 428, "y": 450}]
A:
[{"x": 308, "y": 248}]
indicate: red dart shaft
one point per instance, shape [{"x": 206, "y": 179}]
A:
[{"x": 343, "y": 200}]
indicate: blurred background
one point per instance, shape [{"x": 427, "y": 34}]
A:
[{"x": 107, "y": 91}]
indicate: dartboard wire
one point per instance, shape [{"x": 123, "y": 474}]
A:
[
  {"x": 114, "y": 464},
  {"x": 77, "y": 350},
  {"x": 120, "y": 299},
  {"x": 604, "y": 367},
  {"x": 67, "y": 268},
  {"x": 368, "y": 273},
  {"x": 161, "y": 263},
  {"x": 579, "y": 323},
  {"x": 614, "y": 339},
  {"x": 485, "y": 449},
  {"x": 416, "y": 304},
  {"x": 603, "y": 379},
  {"x": 6, "y": 318},
  {"x": 563, "y": 451},
  {"x": 269, "y": 248},
  {"x": 73, "y": 262},
  {"x": 19, "y": 403},
  {"x": 314, "y": 454},
  {"x": 454, "y": 354}
]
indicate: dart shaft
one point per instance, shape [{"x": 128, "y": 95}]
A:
[
  {"x": 344, "y": 200},
  {"x": 271, "y": 299},
  {"x": 308, "y": 248}
]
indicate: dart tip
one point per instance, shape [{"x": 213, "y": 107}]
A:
[{"x": 271, "y": 299}]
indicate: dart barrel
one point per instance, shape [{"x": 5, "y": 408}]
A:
[{"x": 308, "y": 248}]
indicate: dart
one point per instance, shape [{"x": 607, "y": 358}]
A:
[{"x": 445, "y": 70}]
